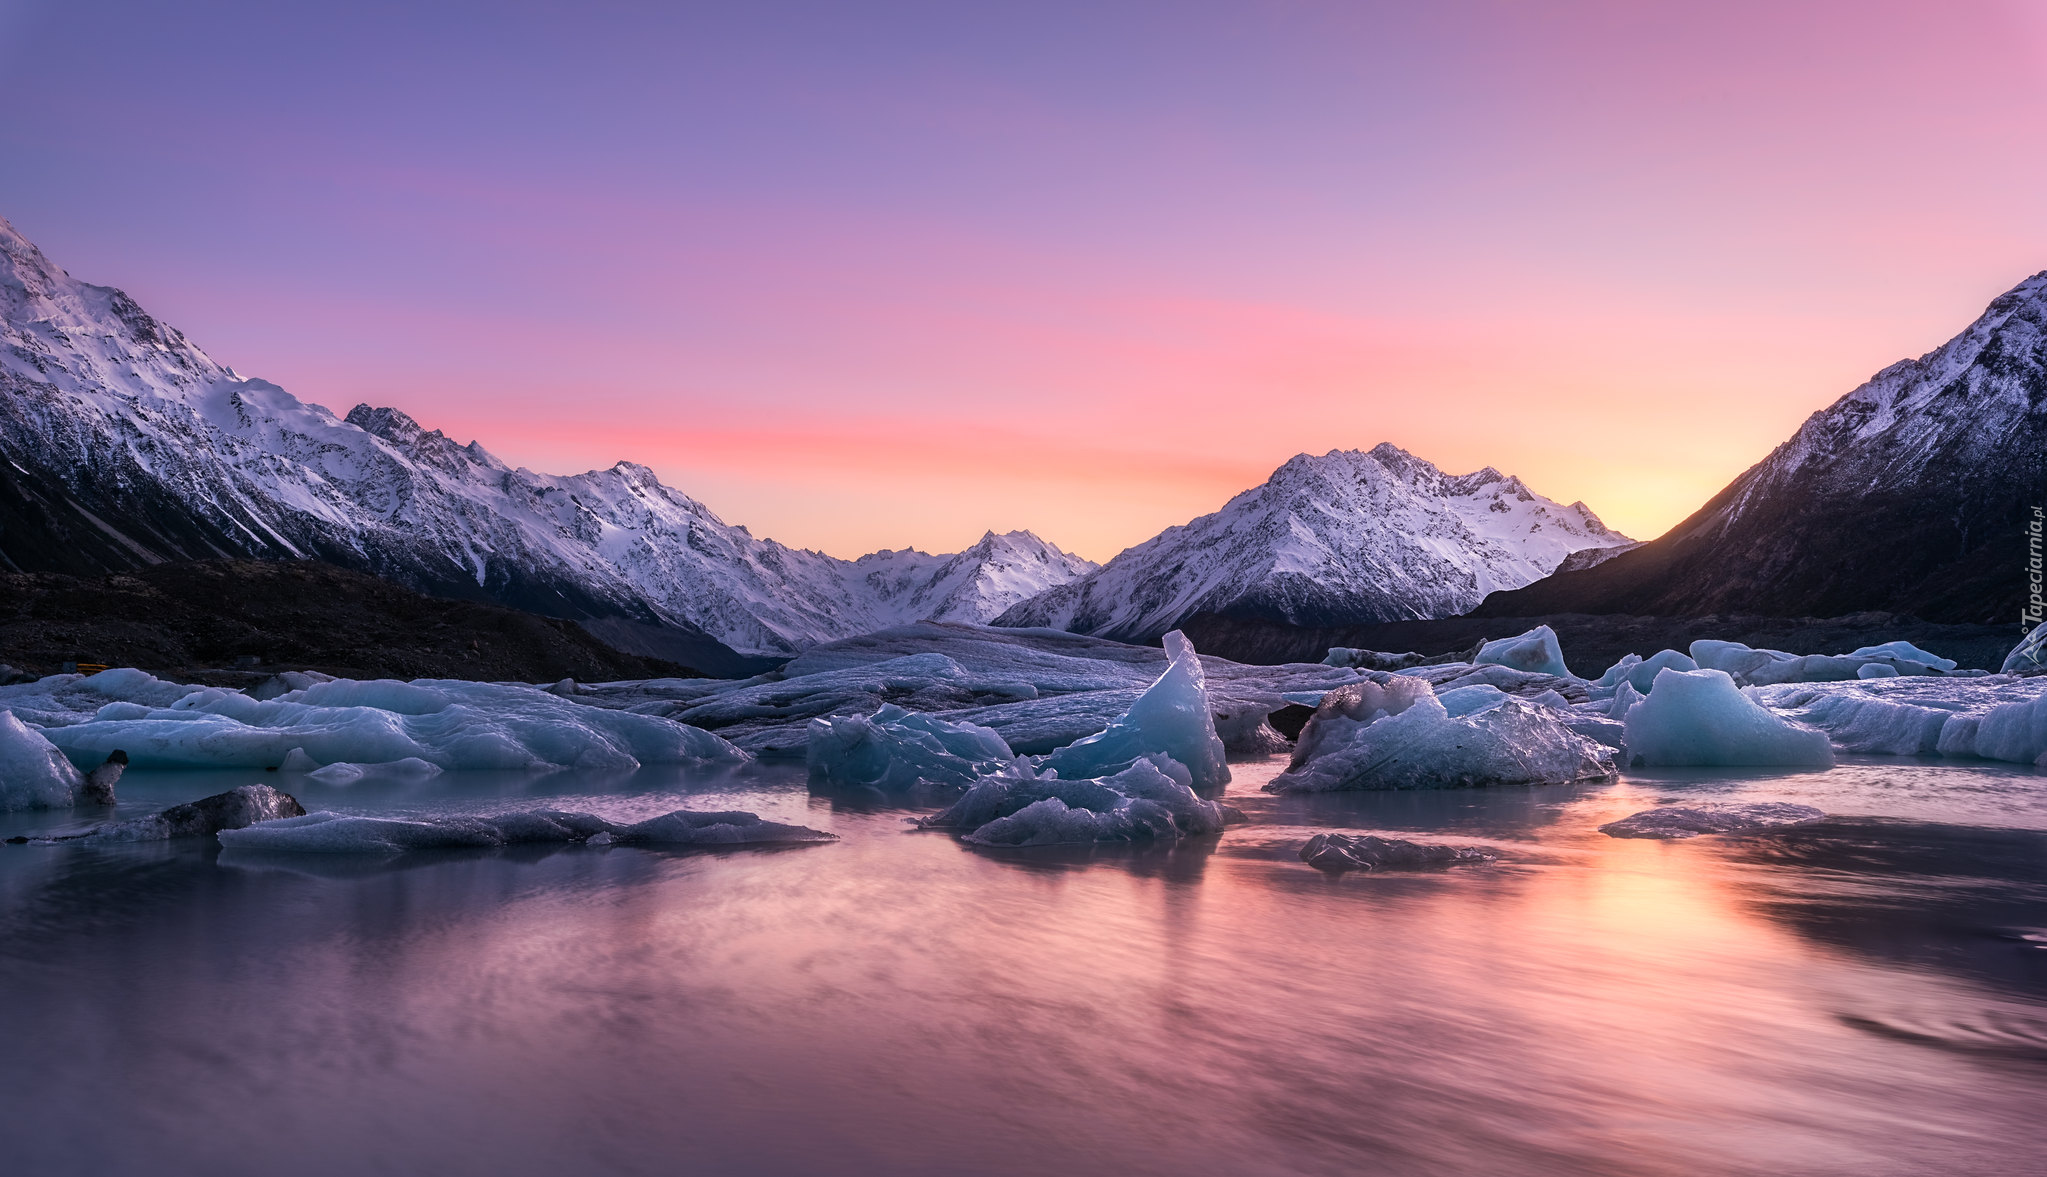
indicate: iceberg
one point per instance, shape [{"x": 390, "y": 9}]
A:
[
  {"x": 446, "y": 724},
  {"x": 901, "y": 753},
  {"x": 2030, "y": 655},
  {"x": 1536, "y": 652},
  {"x": 335, "y": 833},
  {"x": 1876, "y": 670},
  {"x": 1642, "y": 676},
  {"x": 1677, "y": 821},
  {"x": 1172, "y": 717},
  {"x": 1996, "y": 718},
  {"x": 1149, "y": 801},
  {"x": 1699, "y": 717},
  {"x": 1367, "y": 852},
  {"x": 33, "y": 773},
  {"x": 1907, "y": 654},
  {"x": 1355, "y": 742}
]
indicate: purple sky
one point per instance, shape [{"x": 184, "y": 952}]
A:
[{"x": 865, "y": 275}]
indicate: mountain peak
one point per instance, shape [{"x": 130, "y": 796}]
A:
[{"x": 1343, "y": 538}]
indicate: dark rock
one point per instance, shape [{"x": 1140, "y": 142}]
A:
[
  {"x": 99, "y": 783},
  {"x": 244, "y": 806},
  {"x": 1369, "y": 852}
]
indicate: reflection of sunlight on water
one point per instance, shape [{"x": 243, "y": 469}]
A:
[{"x": 900, "y": 1003}]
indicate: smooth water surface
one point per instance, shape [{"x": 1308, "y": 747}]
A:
[{"x": 1864, "y": 996}]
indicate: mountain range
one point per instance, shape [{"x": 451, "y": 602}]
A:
[
  {"x": 1913, "y": 494},
  {"x": 1345, "y": 538},
  {"x": 125, "y": 444}
]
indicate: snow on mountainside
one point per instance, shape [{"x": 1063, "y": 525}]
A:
[
  {"x": 125, "y": 444},
  {"x": 1910, "y": 495},
  {"x": 1345, "y": 538}
]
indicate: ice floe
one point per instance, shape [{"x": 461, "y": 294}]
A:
[
  {"x": 33, "y": 773},
  {"x": 1149, "y": 801},
  {"x": 1386, "y": 736},
  {"x": 370, "y": 725},
  {"x": 1997, "y": 718},
  {"x": 1699, "y": 717},
  {"x": 1369, "y": 852},
  {"x": 903, "y": 754},
  {"x": 1536, "y": 652},
  {"x": 1172, "y": 717},
  {"x": 1691, "y": 821},
  {"x": 2030, "y": 655},
  {"x": 335, "y": 833}
]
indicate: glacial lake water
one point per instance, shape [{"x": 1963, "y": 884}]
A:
[{"x": 1863, "y": 996}]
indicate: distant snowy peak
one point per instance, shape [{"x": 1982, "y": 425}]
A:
[
  {"x": 124, "y": 443},
  {"x": 1345, "y": 538},
  {"x": 973, "y": 586}
]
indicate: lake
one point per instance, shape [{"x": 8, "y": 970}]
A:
[{"x": 1866, "y": 995}]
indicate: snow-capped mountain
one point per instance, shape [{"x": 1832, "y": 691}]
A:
[
  {"x": 1911, "y": 495},
  {"x": 1346, "y": 538},
  {"x": 125, "y": 444}
]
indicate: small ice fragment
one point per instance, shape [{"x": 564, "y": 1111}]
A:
[
  {"x": 1369, "y": 852},
  {"x": 1678, "y": 821}
]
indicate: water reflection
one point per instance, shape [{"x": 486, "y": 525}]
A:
[{"x": 900, "y": 1002}]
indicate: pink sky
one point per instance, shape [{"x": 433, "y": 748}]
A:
[{"x": 1090, "y": 270}]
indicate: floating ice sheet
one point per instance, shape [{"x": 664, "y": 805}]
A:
[
  {"x": 1409, "y": 741},
  {"x": 900, "y": 753},
  {"x": 335, "y": 833},
  {"x": 448, "y": 724},
  {"x": 1149, "y": 801}
]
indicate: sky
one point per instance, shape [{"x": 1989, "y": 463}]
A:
[{"x": 890, "y": 274}]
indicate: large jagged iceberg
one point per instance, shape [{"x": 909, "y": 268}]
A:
[
  {"x": 1171, "y": 717},
  {"x": 447, "y": 724},
  {"x": 33, "y": 773},
  {"x": 1392, "y": 736},
  {"x": 1149, "y": 801},
  {"x": 1699, "y": 717},
  {"x": 900, "y": 753}
]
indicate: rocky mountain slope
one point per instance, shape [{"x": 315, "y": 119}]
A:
[
  {"x": 236, "y": 622},
  {"x": 1343, "y": 539},
  {"x": 1910, "y": 495},
  {"x": 122, "y": 445}
]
